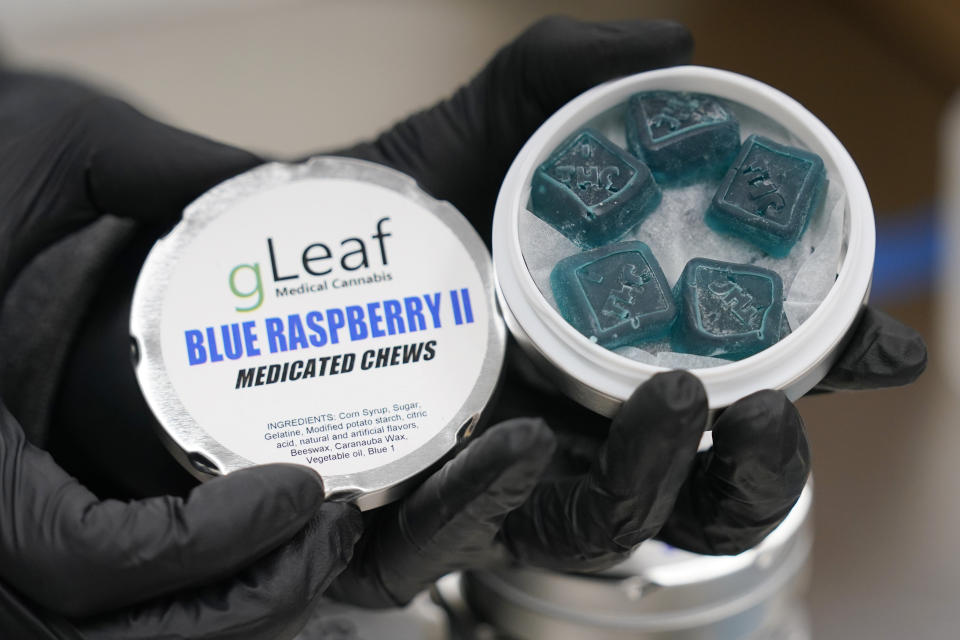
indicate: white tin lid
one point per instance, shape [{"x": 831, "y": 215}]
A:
[{"x": 330, "y": 314}]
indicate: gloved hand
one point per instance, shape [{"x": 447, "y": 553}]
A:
[
  {"x": 458, "y": 150},
  {"x": 110, "y": 159},
  {"x": 611, "y": 486},
  {"x": 242, "y": 556},
  {"x": 608, "y": 486}
]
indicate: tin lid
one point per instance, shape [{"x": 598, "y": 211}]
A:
[{"x": 330, "y": 314}]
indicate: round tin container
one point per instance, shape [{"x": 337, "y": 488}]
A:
[
  {"x": 601, "y": 379},
  {"x": 330, "y": 314},
  {"x": 659, "y": 593}
]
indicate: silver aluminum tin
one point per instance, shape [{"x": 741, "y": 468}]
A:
[
  {"x": 601, "y": 380},
  {"x": 696, "y": 597},
  {"x": 204, "y": 456}
]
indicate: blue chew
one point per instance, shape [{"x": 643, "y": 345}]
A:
[
  {"x": 683, "y": 137},
  {"x": 769, "y": 194},
  {"x": 592, "y": 191},
  {"x": 615, "y": 295},
  {"x": 727, "y": 310}
]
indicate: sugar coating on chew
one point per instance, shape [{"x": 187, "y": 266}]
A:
[
  {"x": 727, "y": 310},
  {"x": 768, "y": 194},
  {"x": 592, "y": 191},
  {"x": 615, "y": 295},
  {"x": 681, "y": 136}
]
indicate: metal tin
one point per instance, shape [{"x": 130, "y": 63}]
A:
[
  {"x": 337, "y": 268},
  {"x": 601, "y": 379},
  {"x": 659, "y": 593}
]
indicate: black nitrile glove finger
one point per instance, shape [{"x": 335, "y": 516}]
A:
[
  {"x": 271, "y": 599},
  {"x": 460, "y": 149},
  {"x": 75, "y": 555},
  {"x": 150, "y": 171},
  {"x": 882, "y": 352},
  {"x": 745, "y": 485},
  {"x": 591, "y": 521},
  {"x": 69, "y": 154},
  {"x": 95, "y": 417},
  {"x": 450, "y": 522}
]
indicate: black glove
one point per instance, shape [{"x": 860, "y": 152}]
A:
[
  {"x": 882, "y": 352},
  {"x": 614, "y": 485},
  {"x": 451, "y": 521},
  {"x": 241, "y": 556},
  {"x": 611, "y": 487}
]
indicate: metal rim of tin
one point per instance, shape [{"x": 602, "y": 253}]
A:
[
  {"x": 634, "y": 598},
  {"x": 206, "y": 457},
  {"x": 601, "y": 379}
]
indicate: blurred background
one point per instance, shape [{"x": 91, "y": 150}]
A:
[{"x": 288, "y": 77}]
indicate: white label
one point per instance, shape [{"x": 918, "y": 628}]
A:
[{"x": 326, "y": 322}]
